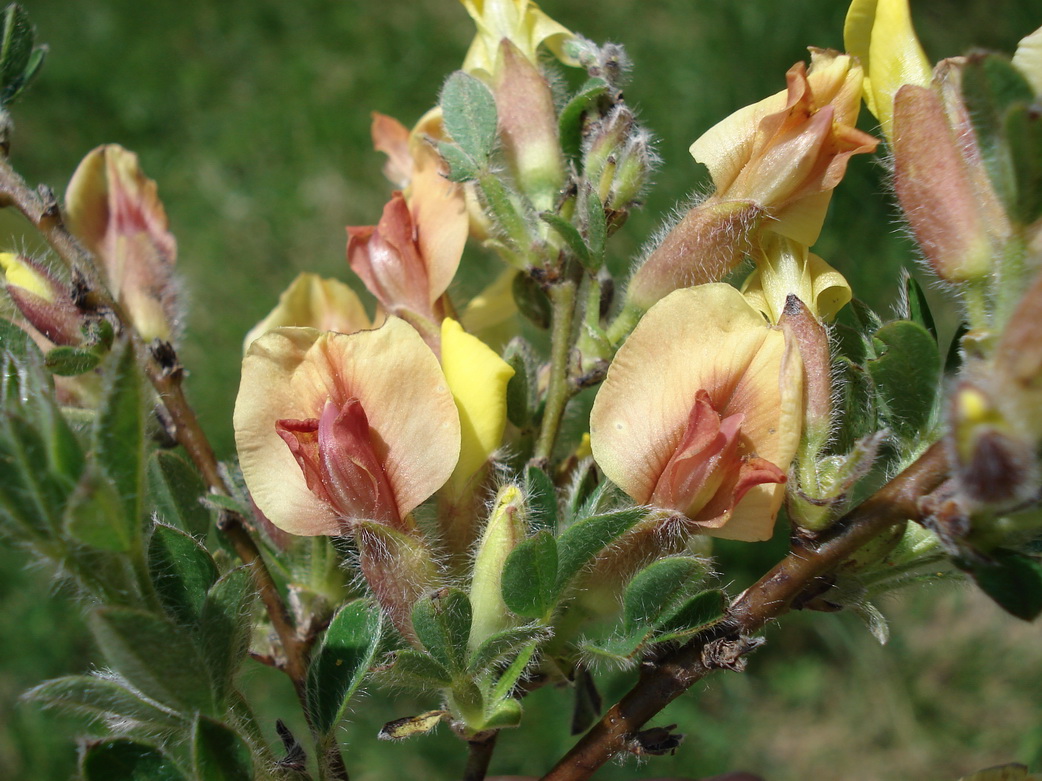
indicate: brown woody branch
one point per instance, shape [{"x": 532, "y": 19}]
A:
[
  {"x": 42, "y": 210},
  {"x": 773, "y": 595}
]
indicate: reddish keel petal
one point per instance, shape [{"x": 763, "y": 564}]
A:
[
  {"x": 388, "y": 260},
  {"x": 355, "y": 477},
  {"x": 707, "y": 452},
  {"x": 706, "y": 477},
  {"x": 335, "y": 453}
]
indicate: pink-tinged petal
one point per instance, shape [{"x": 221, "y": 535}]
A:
[
  {"x": 704, "y": 345},
  {"x": 290, "y": 374},
  {"x": 115, "y": 210},
  {"x": 335, "y": 454},
  {"x": 392, "y": 138},
  {"x": 439, "y": 210},
  {"x": 707, "y": 450},
  {"x": 388, "y": 260}
]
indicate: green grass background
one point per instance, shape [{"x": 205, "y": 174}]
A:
[{"x": 253, "y": 116}]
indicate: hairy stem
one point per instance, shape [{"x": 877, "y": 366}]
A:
[
  {"x": 770, "y": 597},
  {"x": 559, "y": 390}
]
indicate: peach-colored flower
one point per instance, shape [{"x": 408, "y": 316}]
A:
[
  {"x": 787, "y": 152},
  {"x": 700, "y": 413},
  {"x": 774, "y": 165},
  {"x": 333, "y": 429},
  {"x": 115, "y": 211},
  {"x": 410, "y": 257}
]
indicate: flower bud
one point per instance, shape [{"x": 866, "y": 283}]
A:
[
  {"x": 995, "y": 464},
  {"x": 940, "y": 197},
  {"x": 812, "y": 340},
  {"x": 507, "y": 526},
  {"x": 707, "y": 243},
  {"x": 43, "y": 301},
  {"x": 528, "y": 127},
  {"x": 115, "y": 210}
]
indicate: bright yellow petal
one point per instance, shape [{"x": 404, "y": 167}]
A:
[
  {"x": 290, "y": 373},
  {"x": 478, "y": 379},
  {"x": 19, "y": 273},
  {"x": 1028, "y": 59},
  {"x": 313, "y": 302},
  {"x": 880, "y": 34}
]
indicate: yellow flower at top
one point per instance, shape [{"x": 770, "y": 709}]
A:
[
  {"x": 880, "y": 34},
  {"x": 519, "y": 21}
]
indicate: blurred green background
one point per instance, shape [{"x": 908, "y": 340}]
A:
[{"x": 253, "y": 116}]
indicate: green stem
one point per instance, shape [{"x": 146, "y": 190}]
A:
[
  {"x": 559, "y": 391},
  {"x": 1010, "y": 282},
  {"x": 624, "y": 322}
]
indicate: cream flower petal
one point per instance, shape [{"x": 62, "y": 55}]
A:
[
  {"x": 311, "y": 301},
  {"x": 1028, "y": 59},
  {"x": 704, "y": 338},
  {"x": 290, "y": 373}
]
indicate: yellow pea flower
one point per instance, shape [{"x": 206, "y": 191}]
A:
[
  {"x": 519, "y": 21},
  {"x": 785, "y": 267},
  {"x": 333, "y": 429},
  {"x": 700, "y": 413}
]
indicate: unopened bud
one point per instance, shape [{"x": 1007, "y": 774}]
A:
[
  {"x": 43, "y": 301},
  {"x": 507, "y": 526},
  {"x": 706, "y": 245},
  {"x": 632, "y": 172},
  {"x": 995, "y": 464},
  {"x": 813, "y": 342},
  {"x": 604, "y": 145},
  {"x": 940, "y": 196},
  {"x": 528, "y": 127},
  {"x": 115, "y": 211}
]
